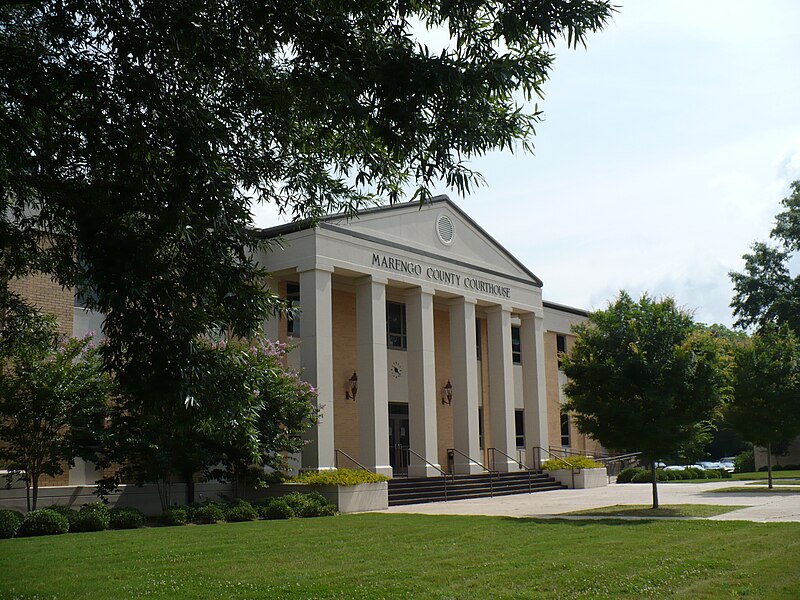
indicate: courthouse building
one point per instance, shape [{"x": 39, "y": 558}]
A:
[
  {"x": 428, "y": 342},
  {"x": 430, "y": 345}
]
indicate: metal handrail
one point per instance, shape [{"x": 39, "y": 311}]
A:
[
  {"x": 576, "y": 452},
  {"x": 619, "y": 457},
  {"x": 336, "y": 454},
  {"x": 430, "y": 464},
  {"x": 482, "y": 466},
  {"x": 491, "y": 452},
  {"x": 539, "y": 461}
]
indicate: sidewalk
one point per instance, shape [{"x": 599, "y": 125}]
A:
[{"x": 761, "y": 507}]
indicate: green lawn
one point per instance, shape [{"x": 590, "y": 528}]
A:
[
  {"x": 666, "y": 510},
  {"x": 752, "y": 490},
  {"x": 763, "y": 475},
  {"x": 411, "y": 556},
  {"x": 781, "y": 482}
]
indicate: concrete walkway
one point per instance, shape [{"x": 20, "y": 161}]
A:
[{"x": 761, "y": 507}]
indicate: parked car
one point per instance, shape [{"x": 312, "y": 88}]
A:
[
  {"x": 728, "y": 463},
  {"x": 708, "y": 465}
]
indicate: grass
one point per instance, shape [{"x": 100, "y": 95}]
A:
[
  {"x": 411, "y": 556},
  {"x": 751, "y": 490},
  {"x": 781, "y": 482},
  {"x": 763, "y": 475},
  {"x": 667, "y": 510}
]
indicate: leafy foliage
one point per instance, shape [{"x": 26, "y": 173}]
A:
[
  {"x": 208, "y": 513},
  {"x": 137, "y": 136},
  {"x": 125, "y": 518},
  {"x": 766, "y": 404},
  {"x": 642, "y": 377},
  {"x": 241, "y": 511},
  {"x": 344, "y": 477},
  {"x": 276, "y": 508},
  {"x": 579, "y": 462},
  {"x": 174, "y": 515},
  {"x": 766, "y": 293},
  {"x": 43, "y": 522},
  {"x": 53, "y": 390},
  {"x": 94, "y": 516},
  {"x": 9, "y": 523}
]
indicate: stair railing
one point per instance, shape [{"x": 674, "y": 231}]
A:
[
  {"x": 617, "y": 461},
  {"x": 537, "y": 454},
  {"x": 453, "y": 451},
  {"x": 436, "y": 467},
  {"x": 336, "y": 454},
  {"x": 521, "y": 465}
]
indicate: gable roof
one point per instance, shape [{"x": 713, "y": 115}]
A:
[{"x": 334, "y": 223}]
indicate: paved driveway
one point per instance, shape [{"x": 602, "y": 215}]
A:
[{"x": 761, "y": 507}]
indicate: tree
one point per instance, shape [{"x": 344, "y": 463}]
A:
[
  {"x": 643, "y": 377},
  {"x": 137, "y": 135},
  {"x": 766, "y": 294},
  {"x": 766, "y": 402},
  {"x": 52, "y": 391},
  {"x": 245, "y": 413}
]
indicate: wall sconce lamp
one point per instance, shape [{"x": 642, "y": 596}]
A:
[
  {"x": 448, "y": 393},
  {"x": 352, "y": 387}
]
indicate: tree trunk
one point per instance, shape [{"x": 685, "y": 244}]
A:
[
  {"x": 655, "y": 485},
  {"x": 769, "y": 466},
  {"x": 190, "y": 489},
  {"x": 35, "y": 489},
  {"x": 28, "y": 493}
]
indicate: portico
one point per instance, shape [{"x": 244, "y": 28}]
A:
[{"x": 412, "y": 300}]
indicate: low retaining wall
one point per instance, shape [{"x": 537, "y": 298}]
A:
[
  {"x": 351, "y": 498},
  {"x": 584, "y": 478},
  {"x": 144, "y": 498}
]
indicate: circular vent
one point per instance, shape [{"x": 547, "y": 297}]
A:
[{"x": 445, "y": 229}]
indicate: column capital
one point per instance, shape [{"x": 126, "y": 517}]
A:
[
  {"x": 465, "y": 299},
  {"x": 495, "y": 308},
  {"x": 531, "y": 316},
  {"x": 316, "y": 266},
  {"x": 369, "y": 279},
  {"x": 420, "y": 289}
]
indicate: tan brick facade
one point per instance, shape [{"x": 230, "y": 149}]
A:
[{"x": 46, "y": 295}]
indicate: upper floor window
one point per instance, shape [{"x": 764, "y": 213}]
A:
[
  {"x": 516, "y": 346},
  {"x": 519, "y": 428},
  {"x": 565, "y": 429},
  {"x": 396, "y": 325},
  {"x": 478, "y": 346},
  {"x": 293, "y": 299},
  {"x": 561, "y": 347}
]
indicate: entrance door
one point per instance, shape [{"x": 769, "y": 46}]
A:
[{"x": 398, "y": 438}]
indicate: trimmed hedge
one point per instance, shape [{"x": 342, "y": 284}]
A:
[
  {"x": 241, "y": 511},
  {"x": 345, "y": 477},
  {"x": 43, "y": 522},
  {"x": 208, "y": 513},
  {"x": 174, "y": 515},
  {"x": 10, "y": 521},
  {"x": 126, "y": 518},
  {"x": 276, "y": 508},
  {"x": 68, "y": 512},
  {"x": 94, "y": 516},
  {"x": 579, "y": 462}
]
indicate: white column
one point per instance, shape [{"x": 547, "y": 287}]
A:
[
  {"x": 373, "y": 385},
  {"x": 501, "y": 387},
  {"x": 422, "y": 396},
  {"x": 272, "y": 322},
  {"x": 316, "y": 360},
  {"x": 464, "y": 379},
  {"x": 533, "y": 383}
]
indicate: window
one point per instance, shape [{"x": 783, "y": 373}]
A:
[
  {"x": 561, "y": 347},
  {"x": 480, "y": 427},
  {"x": 519, "y": 428},
  {"x": 565, "y": 429},
  {"x": 396, "y": 325},
  {"x": 293, "y": 299},
  {"x": 516, "y": 348},
  {"x": 478, "y": 337}
]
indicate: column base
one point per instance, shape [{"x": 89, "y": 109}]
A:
[
  {"x": 423, "y": 471},
  {"x": 507, "y": 466},
  {"x": 468, "y": 468},
  {"x": 385, "y": 470}
]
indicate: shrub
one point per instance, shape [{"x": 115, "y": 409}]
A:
[
  {"x": 685, "y": 474},
  {"x": 339, "y": 477},
  {"x": 241, "y": 511},
  {"x": 645, "y": 476},
  {"x": 209, "y": 513},
  {"x": 43, "y": 522},
  {"x": 744, "y": 462},
  {"x": 312, "y": 504},
  {"x": 579, "y": 462},
  {"x": 9, "y": 523},
  {"x": 626, "y": 475},
  {"x": 696, "y": 473},
  {"x": 174, "y": 515},
  {"x": 68, "y": 512},
  {"x": 92, "y": 517},
  {"x": 126, "y": 518},
  {"x": 672, "y": 475},
  {"x": 277, "y": 508}
]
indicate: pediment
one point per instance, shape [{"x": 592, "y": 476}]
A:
[{"x": 439, "y": 229}]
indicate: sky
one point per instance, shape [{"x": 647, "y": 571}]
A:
[{"x": 667, "y": 146}]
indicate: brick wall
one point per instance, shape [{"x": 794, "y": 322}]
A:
[{"x": 48, "y": 296}]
